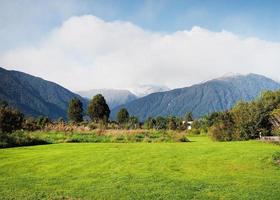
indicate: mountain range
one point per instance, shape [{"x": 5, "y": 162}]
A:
[
  {"x": 117, "y": 97},
  {"x": 200, "y": 99},
  {"x": 35, "y": 96},
  {"x": 114, "y": 97}
]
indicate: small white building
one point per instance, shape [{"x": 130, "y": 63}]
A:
[{"x": 189, "y": 124}]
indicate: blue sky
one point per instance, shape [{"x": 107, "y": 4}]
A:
[
  {"x": 131, "y": 42},
  {"x": 25, "y": 21}
]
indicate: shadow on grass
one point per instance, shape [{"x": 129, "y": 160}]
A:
[{"x": 9, "y": 142}]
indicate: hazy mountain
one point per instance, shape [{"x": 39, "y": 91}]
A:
[
  {"x": 214, "y": 95},
  {"x": 114, "y": 97},
  {"x": 144, "y": 90},
  {"x": 35, "y": 96}
]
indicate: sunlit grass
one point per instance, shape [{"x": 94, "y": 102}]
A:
[{"x": 200, "y": 169}]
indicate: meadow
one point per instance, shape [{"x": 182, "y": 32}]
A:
[
  {"x": 200, "y": 169},
  {"x": 29, "y": 138}
]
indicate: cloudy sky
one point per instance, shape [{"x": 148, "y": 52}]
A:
[{"x": 122, "y": 44}]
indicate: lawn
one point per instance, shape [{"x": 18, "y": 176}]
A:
[{"x": 200, "y": 169}]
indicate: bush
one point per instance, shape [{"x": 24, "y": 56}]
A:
[
  {"x": 92, "y": 126},
  {"x": 194, "y": 131},
  {"x": 139, "y": 137},
  {"x": 120, "y": 138},
  {"x": 219, "y": 132},
  {"x": 10, "y": 120},
  {"x": 30, "y": 124},
  {"x": 184, "y": 139},
  {"x": 172, "y": 123},
  {"x": 161, "y": 123},
  {"x": 150, "y": 123},
  {"x": 224, "y": 129},
  {"x": 133, "y": 123},
  {"x": 42, "y": 121},
  {"x": 276, "y": 132},
  {"x": 20, "y": 138},
  {"x": 102, "y": 126}
]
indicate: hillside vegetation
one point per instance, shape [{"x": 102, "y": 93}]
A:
[
  {"x": 201, "y": 99},
  {"x": 35, "y": 96}
]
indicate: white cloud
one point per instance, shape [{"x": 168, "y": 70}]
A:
[{"x": 87, "y": 52}]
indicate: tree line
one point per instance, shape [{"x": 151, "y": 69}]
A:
[
  {"x": 99, "y": 111},
  {"x": 246, "y": 120}
]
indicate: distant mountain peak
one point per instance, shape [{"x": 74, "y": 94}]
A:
[
  {"x": 114, "y": 97},
  {"x": 144, "y": 90},
  {"x": 230, "y": 76}
]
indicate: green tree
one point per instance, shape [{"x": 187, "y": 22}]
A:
[
  {"x": 267, "y": 102},
  {"x": 75, "y": 110},
  {"x": 211, "y": 119},
  {"x": 172, "y": 123},
  {"x": 250, "y": 118},
  {"x": 188, "y": 116},
  {"x": 161, "y": 123},
  {"x": 150, "y": 123},
  {"x": 223, "y": 128},
  {"x": 123, "y": 116},
  {"x": 3, "y": 103},
  {"x": 98, "y": 109},
  {"x": 275, "y": 121},
  {"x": 133, "y": 122}
]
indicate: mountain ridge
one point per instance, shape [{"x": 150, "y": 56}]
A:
[
  {"x": 213, "y": 95},
  {"x": 35, "y": 96}
]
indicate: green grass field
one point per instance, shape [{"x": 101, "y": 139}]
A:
[{"x": 201, "y": 169}]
